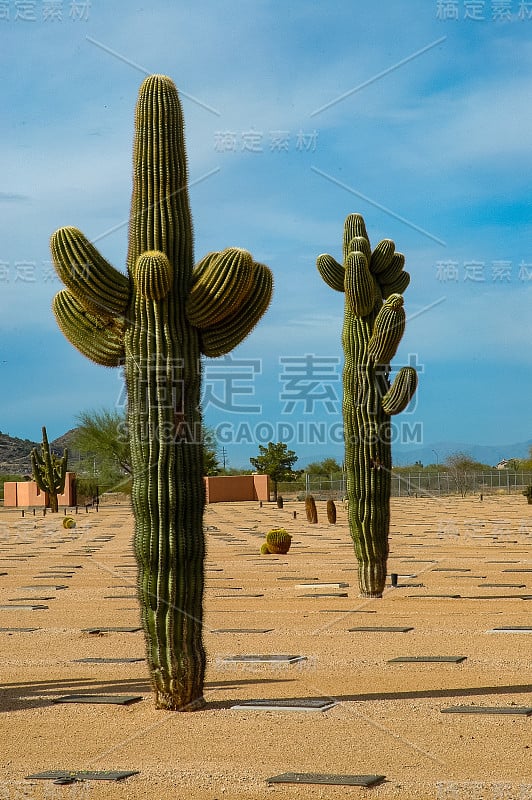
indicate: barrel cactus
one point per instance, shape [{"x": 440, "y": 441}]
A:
[
  {"x": 69, "y": 522},
  {"x": 278, "y": 541},
  {"x": 374, "y": 321},
  {"x": 331, "y": 512},
  {"x": 311, "y": 510},
  {"x": 156, "y": 321}
]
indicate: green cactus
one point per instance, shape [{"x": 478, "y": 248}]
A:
[
  {"x": 49, "y": 471},
  {"x": 374, "y": 323},
  {"x": 69, "y": 522},
  {"x": 278, "y": 540},
  {"x": 264, "y": 549},
  {"x": 156, "y": 322},
  {"x": 311, "y": 510}
]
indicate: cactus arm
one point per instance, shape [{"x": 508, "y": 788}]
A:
[
  {"x": 331, "y": 271},
  {"x": 220, "y": 287},
  {"x": 360, "y": 286},
  {"x": 95, "y": 338},
  {"x": 398, "y": 286},
  {"x": 382, "y": 257},
  {"x": 388, "y": 329},
  {"x": 401, "y": 391},
  {"x": 392, "y": 270},
  {"x": 37, "y": 468},
  {"x": 224, "y": 337},
  {"x": 99, "y": 287}
]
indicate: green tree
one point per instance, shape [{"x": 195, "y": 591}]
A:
[
  {"x": 211, "y": 465},
  {"x": 276, "y": 461},
  {"x": 104, "y": 434},
  {"x": 329, "y": 466},
  {"x": 461, "y": 466}
]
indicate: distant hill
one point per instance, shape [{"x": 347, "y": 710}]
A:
[
  {"x": 15, "y": 452},
  {"x": 437, "y": 452},
  {"x": 429, "y": 453}
]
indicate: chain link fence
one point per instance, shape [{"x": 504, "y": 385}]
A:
[{"x": 417, "y": 484}]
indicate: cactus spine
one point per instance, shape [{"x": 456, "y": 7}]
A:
[
  {"x": 374, "y": 322},
  {"x": 156, "y": 322},
  {"x": 49, "y": 471}
]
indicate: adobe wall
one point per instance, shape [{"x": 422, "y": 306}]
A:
[
  {"x": 234, "y": 488},
  {"x": 24, "y": 494}
]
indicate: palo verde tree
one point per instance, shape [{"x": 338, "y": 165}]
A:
[
  {"x": 462, "y": 468},
  {"x": 275, "y": 460},
  {"x": 156, "y": 321},
  {"x": 374, "y": 321},
  {"x": 105, "y": 435}
]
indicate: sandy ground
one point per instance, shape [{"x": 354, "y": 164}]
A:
[{"x": 388, "y": 717}]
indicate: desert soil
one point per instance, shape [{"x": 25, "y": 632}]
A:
[{"x": 387, "y": 718}]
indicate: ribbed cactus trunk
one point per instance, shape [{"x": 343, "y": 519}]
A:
[
  {"x": 156, "y": 323},
  {"x": 374, "y": 322},
  {"x": 367, "y": 453}
]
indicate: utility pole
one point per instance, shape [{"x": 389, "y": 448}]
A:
[{"x": 224, "y": 454}]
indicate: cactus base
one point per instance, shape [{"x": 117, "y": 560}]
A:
[
  {"x": 176, "y": 702},
  {"x": 372, "y": 578}
]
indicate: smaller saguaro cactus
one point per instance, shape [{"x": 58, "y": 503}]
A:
[
  {"x": 49, "y": 471},
  {"x": 278, "y": 541},
  {"x": 331, "y": 512},
  {"x": 372, "y": 282},
  {"x": 311, "y": 510},
  {"x": 528, "y": 494},
  {"x": 280, "y": 501}
]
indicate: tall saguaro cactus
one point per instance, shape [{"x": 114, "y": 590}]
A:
[
  {"x": 49, "y": 471},
  {"x": 157, "y": 321},
  {"x": 374, "y": 323}
]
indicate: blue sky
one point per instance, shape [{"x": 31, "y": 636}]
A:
[{"x": 416, "y": 115}]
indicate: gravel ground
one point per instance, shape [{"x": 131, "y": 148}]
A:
[{"x": 386, "y": 718}]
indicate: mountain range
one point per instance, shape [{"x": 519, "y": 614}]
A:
[
  {"x": 15, "y": 452},
  {"x": 437, "y": 452}
]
